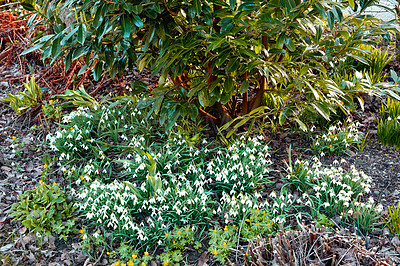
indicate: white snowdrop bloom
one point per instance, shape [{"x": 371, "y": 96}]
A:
[{"x": 326, "y": 204}]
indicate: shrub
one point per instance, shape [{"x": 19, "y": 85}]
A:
[{"x": 211, "y": 54}]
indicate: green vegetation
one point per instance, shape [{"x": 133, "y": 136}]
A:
[
  {"x": 145, "y": 182},
  {"x": 336, "y": 140},
  {"x": 212, "y": 55},
  {"x": 45, "y": 210},
  {"x": 393, "y": 220},
  {"x": 24, "y": 100},
  {"x": 389, "y": 124}
]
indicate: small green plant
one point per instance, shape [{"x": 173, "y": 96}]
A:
[
  {"x": 329, "y": 190},
  {"x": 259, "y": 223},
  {"x": 26, "y": 99},
  {"x": 170, "y": 257},
  {"x": 52, "y": 110},
  {"x": 364, "y": 216},
  {"x": 336, "y": 140},
  {"x": 393, "y": 220},
  {"x": 16, "y": 145},
  {"x": 45, "y": 210},
  {"x": 181, "y": 237},
  {"x": 127, "y": 255},
  {"x": 363, "y": 143},
  {"x": 377, "y": 60},
  {"x": 222, "y": 241},
  {"x": 389, "y": 124},
  {"x": 323, "y": 221},
  {"x": 79, "y": 98}
]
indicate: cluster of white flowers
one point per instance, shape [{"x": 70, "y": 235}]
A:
[
  {"x": 332, "y": 187},
  {"x": 180, "y": 192},
  {"x": 235, "y": 205},
  {"x": 337, "y": 137},
  {"x": 241, "y": 167},
  {"x": 78, "y": 138}
]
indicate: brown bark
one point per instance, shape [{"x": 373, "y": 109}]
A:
[
  {"x": 245, "y": 103},
  {"x": 209, "y": 118},
  {"x": 257, "y": 99},
  {"x": 225, "y": 116}
]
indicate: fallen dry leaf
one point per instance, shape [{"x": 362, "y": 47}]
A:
[{"x": 203, "y": 259}]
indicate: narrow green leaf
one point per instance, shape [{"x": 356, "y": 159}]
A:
[
  {"x": 68, "y": 60},
  {"x": 244, "y": 86},
  {"x": 137, "y": 21},
  {"x": 82, "y": 33},
  {"x": 197, "y": 6},
  {"x": 232, "y": 4},
  {"x": 331, "y": 20},
  {"x": 203, "y": 98},
  {"x": 290, "y": 44},
  {"x": 99, "y": 16},
  {"x": 126, "y": 26},
  {"x": 32, "y": 49},
  {"x": 56, "y": 47},
  {"x": 98, "y": 70}
]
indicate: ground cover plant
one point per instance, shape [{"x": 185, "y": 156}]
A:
[
  {"x": 389, "y": 124},
  {"x": 337, "y": 139},
  {"x": 151, "y": 195}
]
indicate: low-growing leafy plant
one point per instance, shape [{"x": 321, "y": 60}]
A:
[
  {"x": 323, "y": 221},
  {"x": 26, "y": 99},
  {"x": 389, "y": 124},
  {"x": 129, "y": 256},
  {"x": 365, "y": 215},
  {"x": 180, "y": 237},
  {"x": 45, "y": 210},
  {"x": 336, "y": 140},
  {"x": 393, "y": 219},
  {"x": 17, "y": 145},
  {"x": 363, "y": 142},
  {"x": 259, "y": 222},
  {"x": 329, "y": 189},
  {"x": 52, "y": 110},
  {"x": 170, "y": 257},
  {"x": 222, "y": 241}
]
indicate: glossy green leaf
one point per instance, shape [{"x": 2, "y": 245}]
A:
[
  {"x": 331, "y": 20},
  {"x": 98, "y": 70},
  {"x": 290, "y": 44},
  {"x": 244, "y": 86},
  {"x": 126, "y": 26},
  {"x": 81, "y": 34},
  {"x": 197, "y": 6},
  {"x": 56, "y": 47},
  {"x": 137, "y": 21}
]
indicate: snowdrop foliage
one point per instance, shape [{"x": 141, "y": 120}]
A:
[
  {"x": 337, "y": 139},
  {"x": 139, "y": 187},
  {"x": 331, "y": 189},
  {"x": 139, "y": 183}
]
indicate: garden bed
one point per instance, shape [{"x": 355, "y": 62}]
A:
[{"x": 92, "y": 179}]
